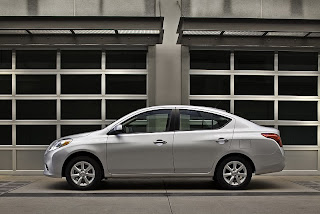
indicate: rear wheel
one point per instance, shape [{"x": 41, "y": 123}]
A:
[
  {"x": 83, "y": 173},
  {"x": 233, "y": 173}
]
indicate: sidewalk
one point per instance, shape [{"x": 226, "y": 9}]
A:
[
  {"x": 265, "y": 194},
  {"x": 192, "y": 186}
]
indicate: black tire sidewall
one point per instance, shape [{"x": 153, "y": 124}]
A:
[
  {"x": 98, "y": 174},
  {"x": 219, "y": 173}
]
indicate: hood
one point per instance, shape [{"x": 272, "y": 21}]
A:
[{"x": 77, "y": 135}]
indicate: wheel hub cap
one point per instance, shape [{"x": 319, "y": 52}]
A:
[
  {"x": 82, "y": 173},
  {"x": 234, "y": 173}
]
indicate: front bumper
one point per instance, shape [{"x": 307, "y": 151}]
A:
[
  {"x": 53, "y": 163},
  {"x": 47, "y": 172}
]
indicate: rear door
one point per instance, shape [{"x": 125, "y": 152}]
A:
[{"x": 200, "y": 138}]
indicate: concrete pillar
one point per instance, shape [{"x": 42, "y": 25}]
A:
[{"x": 168, "y": 56}]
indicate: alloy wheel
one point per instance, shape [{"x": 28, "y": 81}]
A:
[
  {"x": 82, "y": 173},
  {"x": 234, "y": 173}
]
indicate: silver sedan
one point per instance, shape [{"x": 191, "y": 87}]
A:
[{"x": 168, "y": 141}]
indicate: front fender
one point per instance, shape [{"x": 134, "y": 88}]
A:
[{"x": 94, "y": 145}]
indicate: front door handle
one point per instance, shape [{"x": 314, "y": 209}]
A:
[
  {"x": 222, "y": 140},
  {"x": 159, "y": 142}
]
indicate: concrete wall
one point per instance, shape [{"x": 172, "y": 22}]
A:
[
  {"x": 284, "y": 9},
  {"x": 305, "y": 9},
  {"x": 77, "y": 8},
  {"x": 168, "y": 56}
]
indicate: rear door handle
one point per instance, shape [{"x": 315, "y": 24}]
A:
[
  {"x": 222, "y": 140},
  {"x": 160, "y": 142}
]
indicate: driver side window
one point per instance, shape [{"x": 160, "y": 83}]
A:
[{"x": 148, "y": 122}]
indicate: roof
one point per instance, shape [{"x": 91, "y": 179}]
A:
[
  {"x": 249, "y": 32},
  {"x": 80, "y": 30},
  {"x": 184, "y": 107}
]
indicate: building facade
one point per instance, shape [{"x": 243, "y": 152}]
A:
[{"x": 69, "y": 66}]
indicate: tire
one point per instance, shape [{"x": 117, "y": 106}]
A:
[
  {"x": 228, "y": 176},
  {"x": 85, "y": 168}
]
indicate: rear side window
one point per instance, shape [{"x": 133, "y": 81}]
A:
[{"x": 197, "y": 120}]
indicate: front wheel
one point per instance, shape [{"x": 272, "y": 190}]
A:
[
  {"x": 83, "y": 173},
  {"x": 233, "y": 173}
]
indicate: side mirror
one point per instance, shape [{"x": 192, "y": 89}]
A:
[{"x": 116, "y": 130}]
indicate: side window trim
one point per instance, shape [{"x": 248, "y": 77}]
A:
[
  {"x": 172, "y": 119},
  {"x": 177, "y": 120}
]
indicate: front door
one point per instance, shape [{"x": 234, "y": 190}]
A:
[
  {"x": 200, "y": 139},
  {"x": 145, "y": 146}
]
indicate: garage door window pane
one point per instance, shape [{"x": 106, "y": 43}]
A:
[
  {"x": 81, "y": 59},
  {"x": 298, "y": 86},
  {"x": 80, "y": 84},
  {"x": 36, "y": 59},
  {"x": 298, "y": 61},
  {"x": 209, "y": 85},
  {"x": 220, "y": 104},
  {"x": 126, "y": 59},
  {"x": 295, "y": 110},
  {"x": 36, "y": 109},
  {"x": 36, "y": 84},
  {"x": 255, "y": 110},
  {"x": 254, "y": 85},
  {"x": 5, "y": 109},
  {"x": 6, "y": 135},
  {"x": 126, "y": 84},
  {"x": 210, "y": 60},
  {"x": 5, "y": 84},
  {"x": 80, "y": 109},
  {"x": 119, "y": 108},
  {"x": 5, "y": 59},
  {"x": 76, "y": 129},
  {"x": 298, "y": 135},
  {"x": 253, "y": 60},
  {"x": 36, "y": 134}
]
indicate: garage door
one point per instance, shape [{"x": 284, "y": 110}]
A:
[
  {"x": 273, "y": 88},
  {"x": 47, "y": 94}
]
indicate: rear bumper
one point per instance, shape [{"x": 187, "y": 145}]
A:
[
  {"x": 269, "y": 163},
  {"x": 271, "y": 168}
]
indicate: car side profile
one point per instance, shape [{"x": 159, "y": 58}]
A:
[{"x": 168, "y": 141}]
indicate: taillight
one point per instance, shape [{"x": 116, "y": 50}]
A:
[{"x": 275, "y": 137}]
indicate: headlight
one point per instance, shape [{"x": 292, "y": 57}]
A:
[{"x": 59, "y": 143}]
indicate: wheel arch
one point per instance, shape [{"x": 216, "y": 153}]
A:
[
  {"x": 81, "y": 153},
  {"x": 235, "y": 154}
]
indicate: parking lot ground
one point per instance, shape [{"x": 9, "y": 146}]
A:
[{"x": 265, "y": 194}]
